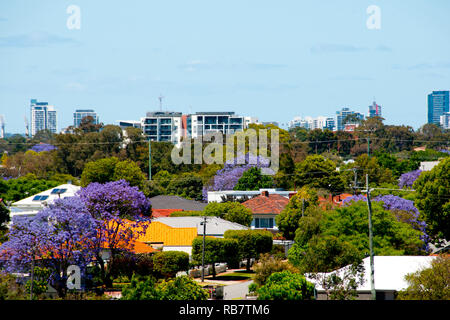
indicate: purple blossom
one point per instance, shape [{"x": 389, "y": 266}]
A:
[
  {"x": 445, "y": 151},
  {"x": 228, "y": 177},
  {"x": 407, "y": 179},
  {"x": 403, "y": 209},
  {"x": 43, "y": 147},
  {"x": 58, "y": 236}
]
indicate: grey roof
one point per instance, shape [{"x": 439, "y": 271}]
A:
[
  {"x": 214, "y": 226},
  {"x": 176, "y": 202}
]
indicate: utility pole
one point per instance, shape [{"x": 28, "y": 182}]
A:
[
  {"x": 203, "y": 248},
  {"x": 355, "y": 181},
  {"x": 372, "y": 271},
  {"x": 149, "y": 160},
  {"x": 368, "y": 146}
]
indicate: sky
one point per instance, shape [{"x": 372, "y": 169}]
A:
[{"x": 273, "y": 60}]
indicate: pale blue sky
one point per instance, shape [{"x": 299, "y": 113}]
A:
[{"x": 271, "y": 59}]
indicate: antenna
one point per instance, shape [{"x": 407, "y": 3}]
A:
[{"x": 160, "y": 102}]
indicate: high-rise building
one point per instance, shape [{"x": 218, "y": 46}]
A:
[
  {"x": 79, "y": 114},
  {"x": 313, "y": 123},
  {"x": 43, "y": 117},
  {"x": 374, "y": 110},
  {"x": 174, "y": 126},
  {"x": 445, "y": 120},
  {"x": 202, "y": 123},
  {"x": 162, "y": 126},
  {"x": 342, "y": 116},
  {"x": 438, "y": 103}
]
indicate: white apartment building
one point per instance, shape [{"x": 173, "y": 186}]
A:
[
  {"x": 445, "y": 120},
  {"x": 43, "y": 117},
  {"x": 313, "y": 123}
]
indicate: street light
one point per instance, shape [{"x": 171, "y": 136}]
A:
[{"x": 203, "y": 248}]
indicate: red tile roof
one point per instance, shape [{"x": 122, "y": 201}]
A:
[
  {"x": 158, "y": 213},
  {"x": 267, "y": 204}
]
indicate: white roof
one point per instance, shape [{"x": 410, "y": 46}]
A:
[
  {"x": 390, "y": 271},
  {"x": 214, "y": 226},
  {"x": 36, "y": 201}
]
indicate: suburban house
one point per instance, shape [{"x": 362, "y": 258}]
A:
[
  {"x": 177, "y": 233},
  {"x": 32, "y": 205},
  {"x": 265, "y": 207},
  {"x": 163, "y": 206},
  {"x": 389, "y": 276},
  {"x": 219, "y": 196}
]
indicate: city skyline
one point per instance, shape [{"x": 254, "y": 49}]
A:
[{"x": 274, "y": 62}]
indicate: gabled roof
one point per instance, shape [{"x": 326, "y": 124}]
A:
[
  {"x": 266, "y": 204},
  {"x": 214, "y": 226},
  {"x": 389, "y": 271},
  {"x": 176, "y": 202},
  {"x": 158, "y": 232},
  {"x": 158, "y": 213},
  {"x": 48, "y": 196}
]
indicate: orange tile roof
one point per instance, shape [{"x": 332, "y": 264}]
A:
[
  {"x": 158, "y": 213},
  {"x": 267, "y": 204},
  {"x": 161, "y": 233}
]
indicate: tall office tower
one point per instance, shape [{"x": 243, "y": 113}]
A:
[
  {"x": 43, "y": 117},
  {"x": 82, "y": 113},
  {"x": 445, "y": 120},
  {"x": 202, "y": 123},
  {"x": 343, "y": 114},
  {"x": 438, "y": 103},
  {"x": 374, "y": 110},
  {"x": 162, "y": 126}
]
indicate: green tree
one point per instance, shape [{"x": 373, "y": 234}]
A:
[
  {"x": 433, "y": 199},
  {"x": 169, "y": 263},
  {"x": 287, "y": 221},
  {"x": 317, "y": 172},
  {"x": 186, "y": 185},
  {"x": 335, "y": 238},
  {"x": 286, "y": 285},
  {"x": 129, "y": 171},
  {"x": 216, "y": 250},
  {"x": 430, "y": 283},
  {"x": 111, "y": 169},
  {"x": 100, "y": 171},
  {"x": 252, "y": 243},
  {"x": 253, "y": 179},
  {"x": 267, "y": 265},
  {"x": 231, "y": 211}
]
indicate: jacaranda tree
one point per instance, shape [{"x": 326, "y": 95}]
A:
[
  {"x": 122, "y": 211},
  {"x": 58, "y": 236}
]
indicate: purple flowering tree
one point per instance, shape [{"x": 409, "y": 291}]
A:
[
  {"x": 228, "y": 177},
  {"x": 58, "y": 236},
  {"x": 43, "y": 147},
  {"x": 407, "y": 179},
  {"x": 403, "y": 209},
  {"x": 122, "y": 211}
]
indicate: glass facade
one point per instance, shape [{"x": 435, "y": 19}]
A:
[
  {"x": 78, "y": 115},
  {"x": 43, "y": 117},
  {"x": 438, "y": 104}
]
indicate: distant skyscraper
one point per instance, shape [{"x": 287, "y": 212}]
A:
[
  {"x": 445, "y": 120},
  {"x": 374, "y": 110},
  {"x": 343, "y": 114},
  {"x": 438, "y": 103},
  {"x": 79, "y": 114},
  {"x": 43, "y": 117}
]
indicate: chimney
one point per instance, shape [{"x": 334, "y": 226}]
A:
[{"x": 265, "y": 193}]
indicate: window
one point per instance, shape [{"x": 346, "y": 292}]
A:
[
  {"x": 264, "y": 223},
  {"x": 60, "y": 191},
  {"x": 40, "y": 198}
]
